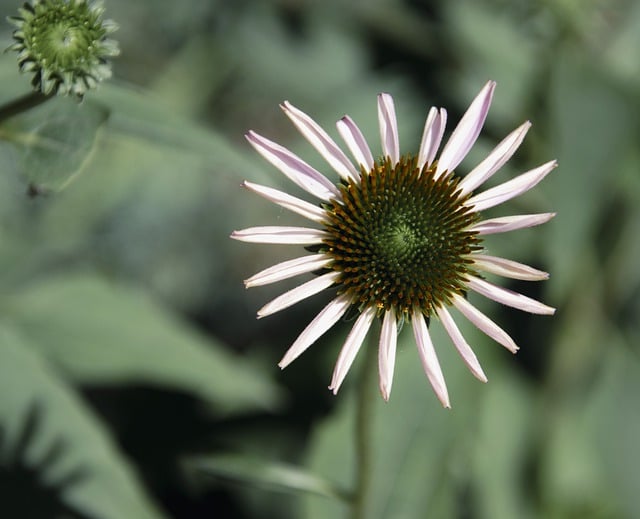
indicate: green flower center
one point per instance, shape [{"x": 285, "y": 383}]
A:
[
  {"x": 63, "y": 36},
  {"x": 400, "y": 238}
]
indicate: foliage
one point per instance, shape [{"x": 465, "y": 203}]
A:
[{"x": 135, "y": 380}]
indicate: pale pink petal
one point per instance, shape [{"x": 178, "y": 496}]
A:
[
  {"x": 388, "y": 128},
  {"x": 461, "y": 344},
  {"x": 508, "y": 268},
  {"x": 288, "y": 269},
  {"x": 467, "y": 131},
  {"x": 429, "y": 358},
  {"x": 510, "y": 223},
  {"x": 432, "y": 136},
  {"x": 328, "y": 316},
  {"x": 280, "y": 235},
  {"x": 294, "y": 168},
  {"x": 484, "y": 324},
  {"x": 387, "y": 352},
  {"x": 351, "y": 347},
  {"x": 356, "y": 142},
  {"x": 508, "y": 297},
  {"x": 321, "y": 141},
  {"x": 301, "y": 207},
  {"x": 508, "y": 190},
  {"x": 495, "y": 160},
  {"x": 297, "y": 294}
]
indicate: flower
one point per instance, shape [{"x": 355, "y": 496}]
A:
[
  {"x": 399, "y": 237},
  {"x": 65, "y": 44}
]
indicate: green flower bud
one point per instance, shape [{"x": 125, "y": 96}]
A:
[{"x": 65, "y": 44}]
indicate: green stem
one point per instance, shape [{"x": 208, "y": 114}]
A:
[
  {"x": 364, "y": 422},
  {"x": 22, "y": 104}
]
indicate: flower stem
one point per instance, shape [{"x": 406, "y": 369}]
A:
[
  {"x": 364, "y": 422},
  {"x": 22, "y": 104}
]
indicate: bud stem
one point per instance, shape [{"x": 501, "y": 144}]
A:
[{"x": 22, "y": 104}]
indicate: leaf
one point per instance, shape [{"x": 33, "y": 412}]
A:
[
  {"x": 99, "y": 481},
  {"x": 264, "y": 473},
  {"x": 105, "y": 333},
  {"x": 582, "y": 99},
  {"x": 55, "y": 141}
]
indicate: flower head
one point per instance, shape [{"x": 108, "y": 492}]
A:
[
  {"x": 65, "y": 44},
  {"x": 399, "y": 237}
]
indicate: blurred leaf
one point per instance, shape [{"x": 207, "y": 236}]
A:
[
  {"x": 262, "y": 473},
  {"x": 420, "y": 453},
  {"x": 104, "y": 333},
  {"x": 501, "y": 447},
  {"x": 615, "y": 423},
  {"x": 592, "y": 125},
  {"x": 55, "y": 140},
  {"x": 108, "y": 488}
]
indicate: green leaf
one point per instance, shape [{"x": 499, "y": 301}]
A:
[
  {"x": 104, "y": 485},
  {"x": 55, "y": 141},
  {"x": 101, "y": 332},
  {"x": 264, "y": 473}
]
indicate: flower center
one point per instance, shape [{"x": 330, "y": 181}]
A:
[
  {"x": 62, "y": 36},
  {"x": 399, "y": 238}
]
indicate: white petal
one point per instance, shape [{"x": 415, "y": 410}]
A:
[
  {"x": 297, "y": 294},
  {"x": 508, "y": 268},
  {"x": 510, "y": 223},
  {"x": 301, "y": 207},
  {"x": 387, "y": 352},
  {"x": 495, "y": 160},
  {"x": 429, "y": 358},
  {"x": 355, "y": 141},
  {"x": 294, "y": 168},
  {"x": 461, "y": 344},
  {"x": 280, "y": 235},
  {"x": 484, "y": 324},
  {"x": 508, "y": 190},
  {"x": 432, "y": 136},
  {"x": 329, "y": 316},
  {"x": 288, "y": 269},
  {"x": 508, "y": 297},
  {"x": 321, "y": 141},
  {"x": 467, "y": 131},
  {"x": 351, "y": 347},
  {"x": 388, "y": 128}
]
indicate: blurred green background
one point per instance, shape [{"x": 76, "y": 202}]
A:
[{"x": 135, "y": 381}]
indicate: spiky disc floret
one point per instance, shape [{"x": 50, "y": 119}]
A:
[
  {"x": 399, "y": 238},
  {"x": 65, "y": 44}
]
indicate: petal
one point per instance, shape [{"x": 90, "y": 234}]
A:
[
  {"x": 321, "y": 141},
  {"x": 327, "y": 317},
  {"x": 351, "y": 347},
  {"x": 355, "y": 141},
  {"x": 467, "y": 131},
  {"x": 302, "y": 207},
  {"x": 510, "y": 223},
  {"x": 297, "y": 294},
  {"x": 429, "y": 358},
  {"x": 508, "y": 268},
  {"x": 461, "y": 345},
  {"x": 495, "y": 160},
  {"x": 508, "y": 297},
  {"x": 288, "y": 269},
  {"x": 387, "y": 352},
  {"x": 294, "y": 168},
  {"x": 484, "y": 324},
  {"x": 280, "y": 235},
  {"x": 508, "y": 190},
  {"x": 388, "y": 128},
  {"x": 432, "y": 136}
]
